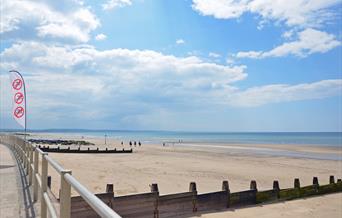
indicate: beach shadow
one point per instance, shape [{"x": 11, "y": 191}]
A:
[
  {"x": 6, "y": 166},
  {"x": 235, "y": 209}
]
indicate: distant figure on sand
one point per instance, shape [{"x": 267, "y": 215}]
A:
[
  {"x": 139, "y": 143},
  {"x": 122, "y": 143},
  {"x": 163, "y": 144},
  {"x": 135, "y": 143},
  {"x": 130, "y": 143}
]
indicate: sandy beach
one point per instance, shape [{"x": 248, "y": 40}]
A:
[{"x": 174, "y": 167}]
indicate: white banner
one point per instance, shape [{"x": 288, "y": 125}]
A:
[{"x": 19, "y": 98}]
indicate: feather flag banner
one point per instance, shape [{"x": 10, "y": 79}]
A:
[{"x": 19, "y": 98}]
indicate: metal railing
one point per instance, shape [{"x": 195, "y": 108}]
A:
[{"x": 28, "y": 155}]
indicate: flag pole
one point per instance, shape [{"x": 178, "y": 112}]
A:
[{"x": 24, "y": 86}]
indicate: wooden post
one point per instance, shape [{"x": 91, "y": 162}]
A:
[
  {"x": 253, "y": 185},
  {"x": 276, "y": 185},
  {"x": 110, "y": 188},
  {"x": 297, "y": 183},
  {"x": 276, "y": 188},
  {"x": 44, "y": 180},
  {"x": 193, "y": 189},
  {"x": 154, "y": 189},
  {"x": 225, "y": 187},
  {"x": 24, "y": 155},
  {"x": 49, "y": 182},
  {"x": 27, "y": 158},
  {"x": 315, "y": 181},
  {"x": 30, "y": 165},
  {"x": 65, "y": 196},
  {"x": 331, "y": 179},
  {"x": 35, "y": 171}
]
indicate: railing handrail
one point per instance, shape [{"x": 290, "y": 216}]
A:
[{"x": 25, "y": 151}]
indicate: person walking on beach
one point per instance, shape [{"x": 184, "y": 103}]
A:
[
  {"x": 139, "y": 143},
  {"x": 130, "y": 143}
]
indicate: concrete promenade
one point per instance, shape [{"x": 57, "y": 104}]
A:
[{"x": 15, "y": 200}]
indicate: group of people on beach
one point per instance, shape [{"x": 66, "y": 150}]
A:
[{"x": 132, "y": 143}]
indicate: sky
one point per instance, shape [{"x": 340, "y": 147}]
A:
[{"x": 189, "y": 65}]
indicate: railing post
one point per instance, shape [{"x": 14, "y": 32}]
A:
[
  {"x": 65, "y": 196},
  {"x": 43, "y": 206},
  {"x": 35, "y": 171},
  {"x": 20, "y": 150},
  {"x": 24, "y": 154},
  {"x": 30, "y": 165},
  {"x": 26, "y": 158}
]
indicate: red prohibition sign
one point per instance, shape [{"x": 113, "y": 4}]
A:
[
  {"x": 18, "y": 97},
  {"x": 19, "y": 112},
  {"x": 17, "y": 84}
]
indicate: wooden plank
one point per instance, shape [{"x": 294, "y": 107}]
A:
[
  {"x": 176, "y": 204},
  {"x": 243, "y": 198},
  {"x": 212, "y": 201}
]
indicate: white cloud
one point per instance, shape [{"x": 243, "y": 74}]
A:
[
  {"x": 140, "y": 76},
  {"x": 249, "y": 54},
  {"x": 77, "y": 80},
  {"x": 309, "y": 41},
  {"x": 180, "y": 41},
  {"x": 100, "y": 37},
  {"x": 74, "y": 21},
  {"x": 293, "y": 12},
  {"x": 119, "y": 72},
  {"x": 111, "y": 4},
  {"x": 214, "y": 55},
  {"x": 288, "y": 34},
  {"x": 79, "y": 84},
  {"x": 257, "y": 96},
  {"x": 222, "y": 9}
]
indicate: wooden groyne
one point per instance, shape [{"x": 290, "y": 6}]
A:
[
  {"x": 60, "y": 142},
  {"x": 191, "y": 203},
  {"x": 83, "y": 151}
]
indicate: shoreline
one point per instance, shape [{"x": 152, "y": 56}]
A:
[{"x": 276, "y": 150}]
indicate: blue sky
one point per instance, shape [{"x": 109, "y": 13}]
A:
[{"x": 199, "y": 65}]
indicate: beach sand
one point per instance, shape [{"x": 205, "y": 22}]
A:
[{"x": 174, "y": 167}]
